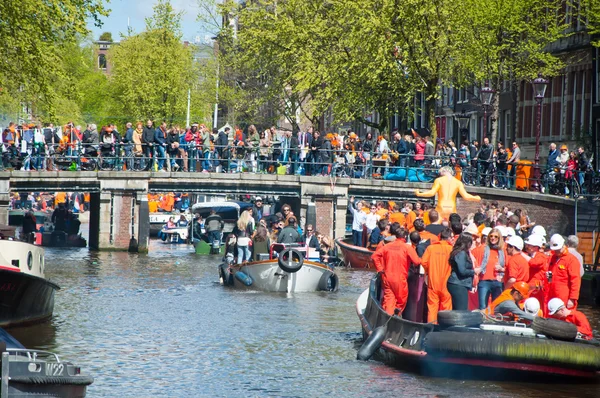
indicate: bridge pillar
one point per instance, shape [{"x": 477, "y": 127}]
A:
[
  {"x": 330, "y": 201},
  {"x": 4, "y": 200},
  {"x": 122, "y": 213}
]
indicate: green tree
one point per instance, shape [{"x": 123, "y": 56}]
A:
[
  {"x": 589, "y": 11},
  {"x": 153, "y": 71},
  {"x": 106, "y": 36},
  {"x": 31, "y": 32},
  {"x": 507, "y": 41}
]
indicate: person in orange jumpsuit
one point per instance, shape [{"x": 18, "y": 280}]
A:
[
  {"x": 437, "y": 267},
  {"x": 393, "y": 260},
  {"x": 447, "y": 187},
  {"x": 557, "y": 309},
  {"x": 538, "y": 266},
  {"x": 565, "y": 277},
  {"x": 517, "y": 267}
]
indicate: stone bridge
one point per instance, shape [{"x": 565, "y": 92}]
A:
[{"x": 119, "y": 203}]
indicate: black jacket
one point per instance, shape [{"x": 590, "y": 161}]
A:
[
  {"x": 148, "y": 135},
  {"x": 485, "y": 153}
]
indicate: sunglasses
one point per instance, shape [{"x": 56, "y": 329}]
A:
[
  {"x": 495, "y": 236},
  {"x": 285, "y": 210},
  {"x": 309, "y": 230}
]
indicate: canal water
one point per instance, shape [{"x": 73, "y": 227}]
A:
[{"x": 161, "y": 325}]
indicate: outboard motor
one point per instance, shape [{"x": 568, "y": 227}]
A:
[{"x": 215, "y": 247}]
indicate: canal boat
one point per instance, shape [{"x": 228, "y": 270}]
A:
[
  {"x": 464, "y": 345},
  {"x": 285, "y": 269},
  {"x": 26, "y": 296},
  {"x": 35, "y": 373},
  {"x": 174, "y": 235},
  {"x": 355, "y": 256}
]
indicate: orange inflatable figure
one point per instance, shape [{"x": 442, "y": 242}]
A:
[{"x": 447, "y": 187}]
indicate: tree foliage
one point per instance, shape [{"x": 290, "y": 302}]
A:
[
  {"x": 31, "y": 35},
  {"x": 153, "y": 71},
  {"x": 507, "y": 41}
]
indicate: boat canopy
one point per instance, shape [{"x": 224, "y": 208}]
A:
[{"x": 227, "y": 210}]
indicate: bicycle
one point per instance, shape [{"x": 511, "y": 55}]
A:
[{"x": 558, "y": 184}]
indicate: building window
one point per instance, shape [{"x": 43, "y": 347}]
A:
[
  {"x": 102, "y": 61},
  {"x": 507, "y": 134}
]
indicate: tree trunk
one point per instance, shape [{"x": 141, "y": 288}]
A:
[{"x": 493, "y": 119}]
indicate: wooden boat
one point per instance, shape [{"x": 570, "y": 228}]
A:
[
  {"x": 284, "y": 270},
  {"x": 26, "y": 296},
  {"x": 354, "y": 256},
  {"x": 471, "y": 348}
]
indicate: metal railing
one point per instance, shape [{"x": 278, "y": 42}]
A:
[{"x": 280, "y": 160}]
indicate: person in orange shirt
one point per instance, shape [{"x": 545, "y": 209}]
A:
[
  {"x": 557, "y": 309},
  {"x": 411, "y": 216},
  {"x": 393, "y": 261},
  {"x": 564, "y": 275},
  {"x": 517, "y": 267},
  {"x": 507, "y": 303},
  {"x": 61, "y": 197},
  {"x": 437, "y": 267},
  {"x": 419, "y": 225},
  {"x": 397, "y": 216},
  {"x": 381, "y": 211},
  {"x": 491, "y": 257},
  {"x": 538, "y": 266}
]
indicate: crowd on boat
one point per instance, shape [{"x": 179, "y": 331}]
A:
[
  {"x": 255, "y": 232},
  {"x": 496, "y": 258}
]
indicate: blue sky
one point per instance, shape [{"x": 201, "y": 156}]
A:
[{"x": 138, "y": 10}]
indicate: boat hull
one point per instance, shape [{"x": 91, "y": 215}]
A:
[
  {"x": 267, "y": 276},
  {"x": 24, "y": 299},
  {"x": 405, "y": 346},
  {"x": 355, "y": 256}
]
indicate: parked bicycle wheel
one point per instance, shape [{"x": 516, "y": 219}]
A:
[{"x": 468, "y": 176}]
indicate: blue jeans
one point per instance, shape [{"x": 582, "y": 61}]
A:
[
  {"x": 214, "y": 235},
  {"x": 243, "y": 254},
  {"x": 192, "y": 155},
  {"x": 357, "y": 238},
  {"x": 485, "y": 289},
  {"x": 160, "y": 154}
]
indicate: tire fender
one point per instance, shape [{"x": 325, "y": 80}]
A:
[{"x": 290, "y": 260}]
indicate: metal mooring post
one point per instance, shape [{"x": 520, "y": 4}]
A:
[{"x": 4, "y": 386}]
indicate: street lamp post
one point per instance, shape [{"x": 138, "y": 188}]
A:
[
  {"x": 539, "y": 86},
  {"x": 486, "y": 99},
  {"x": 463, "y": 123}
]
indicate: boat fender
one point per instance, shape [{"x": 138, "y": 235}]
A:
[
  {"x": 290, "y": 260},
  {"x": 333, "y": 284},
  {"x": 374, "y": 341},
  {"x": 225, "y": 276},
  {"x": 244, "y": 278}
]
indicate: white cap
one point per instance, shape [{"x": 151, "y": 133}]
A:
[
  {"x": 532, "y": 305},
  {"x": 502, "y": 230},
  {"x": 515, "y": 241},
  {"x": 510, "y": 231},
  {"x": 554, "y": 305},
  {"x": 535, "y": 240},
  {"x": 258, "y": 198},
  {"x": 472, "y": 229},
  {"x": 538, "y": 230},
  {"x": 486, "y": 231},
  {"x": 556, "y": 242}
]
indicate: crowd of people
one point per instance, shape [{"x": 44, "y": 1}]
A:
[
  {"x": 254, "y": 233},
  {"x": 496, "y": 258},
  {"x": 159, "y": 147}
]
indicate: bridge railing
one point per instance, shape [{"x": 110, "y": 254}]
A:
[{"x": 275, "y": 159}]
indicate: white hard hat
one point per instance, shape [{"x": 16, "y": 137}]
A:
[
  {"x": 510, "y": 231},
  {"x": 472, "y": 229},
  {"x": 532, "y": 305},
  {"x": 486, "y": 231},
  {"x": 556, "y": 242},
  {"x": 515, "y": 241},
  {"x": 503, "y": 230},
  {"x": 258, "y": 199},
  {"x": 538, "y": 230},
  {"x": 554, "y": 305},
  {"x": 535, "y": 240}
]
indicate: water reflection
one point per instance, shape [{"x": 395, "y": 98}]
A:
[{"x": 161, "y": 325}]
